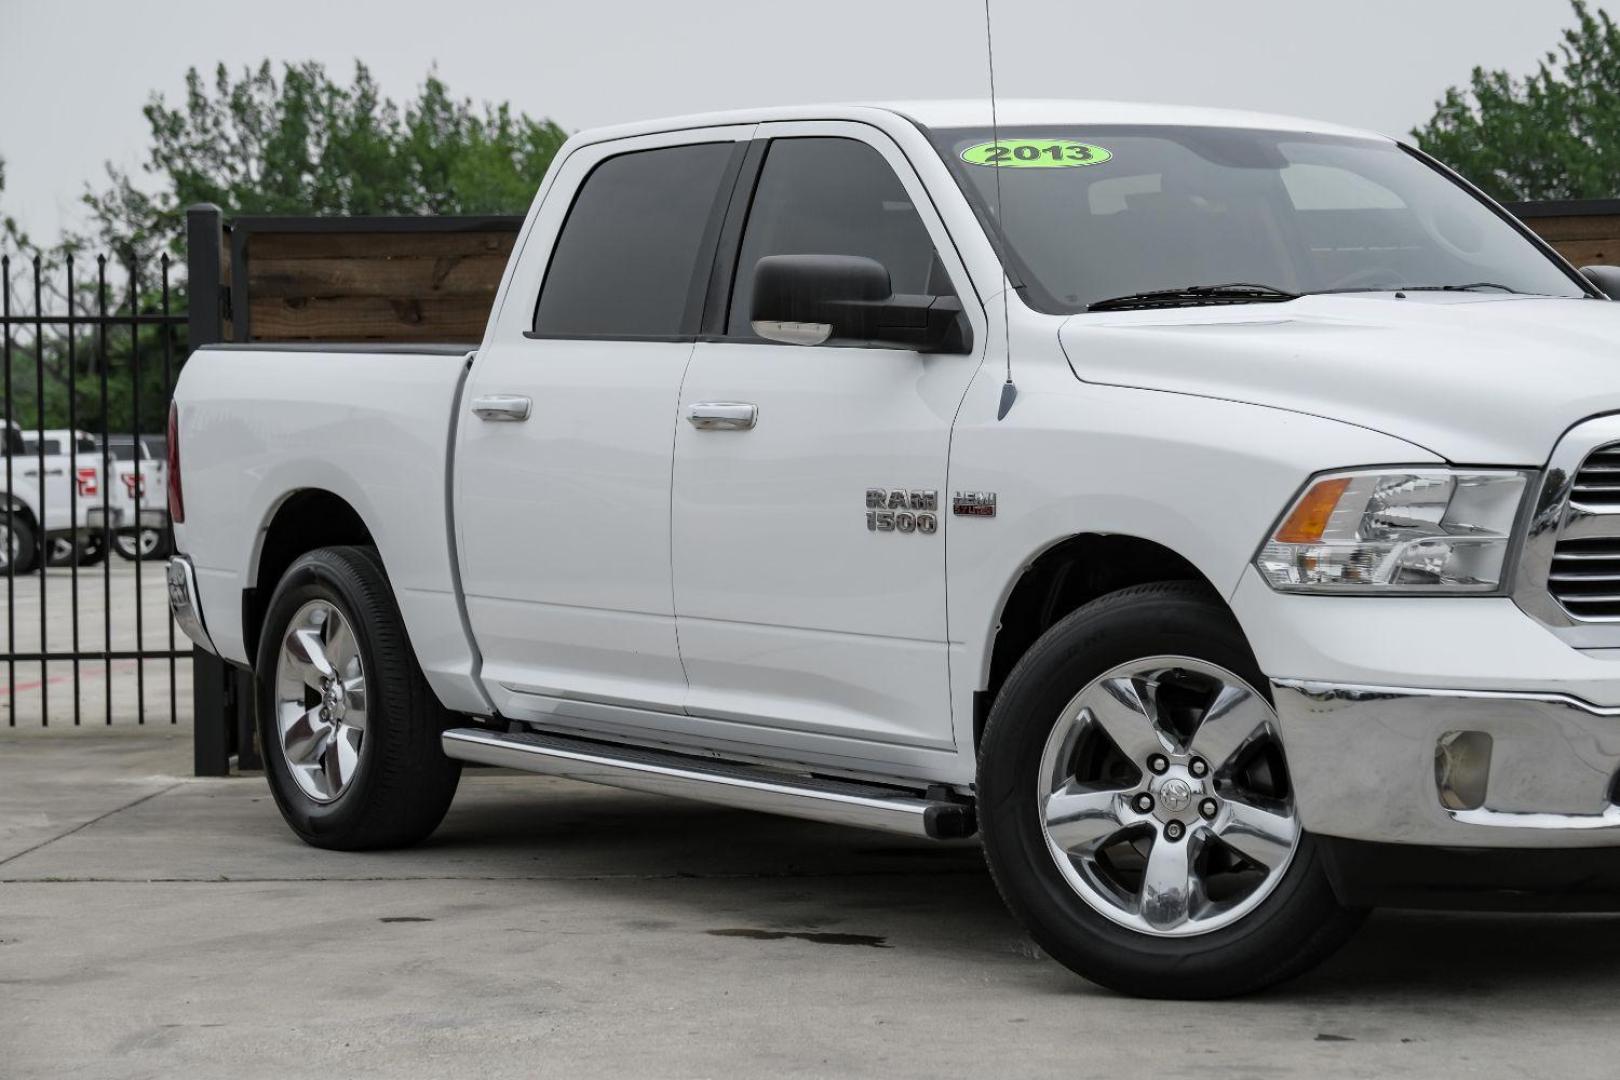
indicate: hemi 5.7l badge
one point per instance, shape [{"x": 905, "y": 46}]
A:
[
  {"x": 902, "y": 510},
  {"x": 974, "y": 504}
]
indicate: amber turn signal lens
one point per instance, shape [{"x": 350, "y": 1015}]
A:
[{"x": 1308, "y": 520}]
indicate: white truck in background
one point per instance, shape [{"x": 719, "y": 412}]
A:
[
  {"x": 1218, "y": 514},
  {"x": 48, "y": 521}
]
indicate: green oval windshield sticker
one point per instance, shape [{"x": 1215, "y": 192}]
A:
[{"x": 1036, "y": 154}]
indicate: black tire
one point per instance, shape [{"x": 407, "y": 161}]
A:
[
  {"x": 92, "y": 549},
  {"x": 1295, "y": 927},
  {"x": 24, "y": 541},
  {"x": 61, "y": 550},
  {"x": 403, "y": 783},
  {"x": 131, "y": 544}
]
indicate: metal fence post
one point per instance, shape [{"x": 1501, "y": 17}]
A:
[{"x": 212, "y": 680}]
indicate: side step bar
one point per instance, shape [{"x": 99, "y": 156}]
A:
[{"x": 840, "y": 802}]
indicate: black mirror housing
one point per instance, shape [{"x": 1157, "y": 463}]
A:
[
  {"x": 812, "y": 299},
  {"x": 1606, "y": 278}
]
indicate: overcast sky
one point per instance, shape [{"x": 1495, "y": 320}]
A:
[{"x": 75, "y": 73}]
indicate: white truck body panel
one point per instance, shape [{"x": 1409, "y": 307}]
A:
[{"x": 255, "y": 431}]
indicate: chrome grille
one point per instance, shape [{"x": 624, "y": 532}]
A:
[{"x": 1585, "y": 573}]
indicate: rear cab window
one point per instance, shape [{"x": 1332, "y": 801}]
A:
[{"x": 632, "y": 259}]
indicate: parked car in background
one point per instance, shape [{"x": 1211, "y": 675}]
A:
[
  {"x": 1280, "y": 470},
  {"x": 61, "y": 531},
  {"x": 138, "y": 513}
]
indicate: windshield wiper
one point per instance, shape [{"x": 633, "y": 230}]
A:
[
  {"x": 1237, "y": 292},
  {"x": 1471, "y": 287}
]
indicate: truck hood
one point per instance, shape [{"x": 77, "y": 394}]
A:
[{"x": 1474, "y": 378}]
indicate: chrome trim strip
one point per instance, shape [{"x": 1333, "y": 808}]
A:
[
  {"x": 833, "y": 801},
  {"x": 1557, "y": 516},
  {"x": 185, "y": 604}
]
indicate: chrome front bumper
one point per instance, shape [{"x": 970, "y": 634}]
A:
[
  {"x": 183, "y": 602},
  {"x": 1452, "y": 768}
]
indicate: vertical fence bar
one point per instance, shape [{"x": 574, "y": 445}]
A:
[
  {"x": 168, "y": 391},
  {"x": 79, "y": 546},
  {"x": 44, "y": 511},
  {"x": 14, "y": 549},
  {"x": 211, "y": 677},
  {"x": 106, "y": 485},
  {"x": 142, "y": 469}
]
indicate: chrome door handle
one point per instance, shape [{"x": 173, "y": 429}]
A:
[
  {"x": 510, "y": 407},
  {"x": 722, "y": 415}
]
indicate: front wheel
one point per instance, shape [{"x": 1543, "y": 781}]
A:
[
  {"x": 347, "y": 722},
  {"x": 1137, "y": 810},
  {"x": 19, "y": 547}
]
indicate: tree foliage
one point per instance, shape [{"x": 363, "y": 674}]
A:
[
  {"x": 302, "y": 143},
  {"x": 255, "y": 142},
  {"x": 1552, "y": 135}
]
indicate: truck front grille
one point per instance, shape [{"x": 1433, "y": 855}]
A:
[{"x": 1585, "y": 573}]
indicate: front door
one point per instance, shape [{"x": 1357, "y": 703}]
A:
[
  {"x": 810, "y": 520},
  {"x": 564, "y": 448}
]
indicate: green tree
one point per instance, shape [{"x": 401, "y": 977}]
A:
[
  {"x": 1552, "y": 135},
  {"x": 257, "y": 142},
  {"x": 301, "y": 143}
]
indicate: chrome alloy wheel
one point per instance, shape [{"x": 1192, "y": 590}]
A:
[
  {"x": 10, "y": 546},
  {"x": 1164, "y": 797},
  {"x": 320, "y": 700}
]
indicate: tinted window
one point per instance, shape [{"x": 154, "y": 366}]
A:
[
  {"x": 833, "y": 197},
  {"x": 625, "y": 263}
]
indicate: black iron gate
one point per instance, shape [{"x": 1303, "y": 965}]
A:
[{"x": 90, "y": 350}]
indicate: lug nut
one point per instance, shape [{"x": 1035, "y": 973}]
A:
[
  {"x": 1174, "y": 830},
  {"x": 1208, "y": 808},
  {"x": 1158, "y": 763},
  {"x": 1198, "y": 767},
  {"x": 1143, "y": 803}
]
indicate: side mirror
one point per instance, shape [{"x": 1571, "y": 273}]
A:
[
  {"x": 811, "y": 299},
  {"x": 1606, "y": 278}
]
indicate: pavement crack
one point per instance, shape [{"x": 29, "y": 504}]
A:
[{"x": 86, "y": 824}]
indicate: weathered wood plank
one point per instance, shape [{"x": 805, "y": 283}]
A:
[
  {"x": 1594, "y": 227},
  {"x": 1590, "y": 252},
  {"x": 419, "y": 276},
  {"x": 369, "y": 318},
  {"x": 376, "y": 245}
]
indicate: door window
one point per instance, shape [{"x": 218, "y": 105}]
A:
[
  {"x": 832, "y": 196},
  {"x": 625, "y": 264}
]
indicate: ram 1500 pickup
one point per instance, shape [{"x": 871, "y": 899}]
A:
[{"x": 1217, "y": 514}]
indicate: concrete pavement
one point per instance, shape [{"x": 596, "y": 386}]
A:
[{"x": 156, "y": 925}]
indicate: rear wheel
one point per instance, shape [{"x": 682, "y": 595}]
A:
[
  {"x": 1137, "y": 811},
  {"x": 348, "y": 725},
  {"x": 145, "y": 543},
  {"x": 61, "y": 550}
]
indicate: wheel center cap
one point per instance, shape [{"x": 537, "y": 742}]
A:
[
  {"x": 332, "y": 699},
  {"x": 1175, "y": 795}
]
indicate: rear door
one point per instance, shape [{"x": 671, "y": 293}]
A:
[
  {"x": 562, "y": 468},
  {"x": 806, "y": 612}
]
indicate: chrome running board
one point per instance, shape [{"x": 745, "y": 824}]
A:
[{"x": 840, "y": 802}]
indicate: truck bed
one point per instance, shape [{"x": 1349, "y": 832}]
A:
[{"x": 371, "y": 424}]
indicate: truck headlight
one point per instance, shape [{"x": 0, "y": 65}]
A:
[{"x": 1400, "y": 531}]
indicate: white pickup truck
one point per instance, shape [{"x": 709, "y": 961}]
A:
[
  {"x": 48, "y": 490},
  {"x": 1217, "y": 514}
]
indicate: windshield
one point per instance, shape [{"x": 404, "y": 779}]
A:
[{"x": 1091, "y": 214}]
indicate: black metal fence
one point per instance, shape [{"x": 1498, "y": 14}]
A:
[{"x": 90, "y": 351}]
